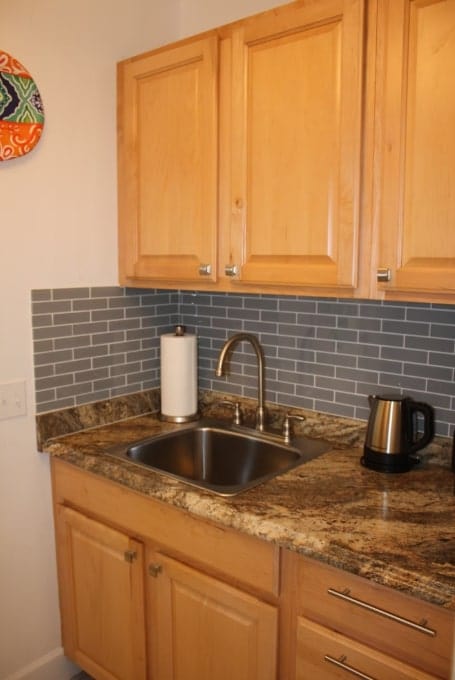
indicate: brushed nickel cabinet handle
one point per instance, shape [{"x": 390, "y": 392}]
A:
[
  {"x": 129, "y": 556},
  {"x": 205, "y": 269},
  {"x": 345, "y": 595},
  {"x": 231, "y": 270},
  {"x": 155, "y": 570},
  {"x": 383, "y": 275},
  {"x": 346, "y": 667}
]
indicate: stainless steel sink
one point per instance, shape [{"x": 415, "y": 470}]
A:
[{"x": 220, "y": 458}]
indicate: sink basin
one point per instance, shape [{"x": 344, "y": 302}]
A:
[{"x": 220, "y": 458}]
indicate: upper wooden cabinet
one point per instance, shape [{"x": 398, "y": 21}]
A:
[
  {"x": 168, "y": 147},
  {"x": 301, "y": 150},
  {"x": 415, "y": 188},
  {"x": 294, "y": 145},
  {"x": 239, "y": 154}
]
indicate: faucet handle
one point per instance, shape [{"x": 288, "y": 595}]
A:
[
  {"x": 237, "y": 410},
  {"x": 287, "y": 425}
]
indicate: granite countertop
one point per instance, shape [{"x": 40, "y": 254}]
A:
[{"x": 395, "y": 529}]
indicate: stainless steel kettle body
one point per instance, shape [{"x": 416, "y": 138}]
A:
[{"x": 392, "y": 433}]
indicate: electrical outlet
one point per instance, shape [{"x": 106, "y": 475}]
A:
[{"x": 13, "y": 401}]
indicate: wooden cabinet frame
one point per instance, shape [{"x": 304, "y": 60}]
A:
[
  {"x": 381, "y": 191},
  {"x": 414, "y": 191},
  {"x": 297, "y": 77},
  {"x": 168, "y": 110},
  {"x": 159, "y": 572},
  {"x": 283, "y": 209},
  {"x": 250, "y": 588}
]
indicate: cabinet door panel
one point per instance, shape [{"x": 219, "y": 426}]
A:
[
  {"x": 101, "y": 585},
  {"x": 168, "y": 162},
  {"x": 202, "y": 628},
  {"x": 416, "y": 216},
  {"x": 296, "y": 122}
]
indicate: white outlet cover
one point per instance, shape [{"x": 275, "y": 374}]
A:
[{"x": 13, "y": 399}]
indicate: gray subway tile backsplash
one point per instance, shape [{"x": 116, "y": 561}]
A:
[
  {"x": 321, "y": 354},
  {"x": 95, "y": 343},
  {"x": 73, "y": 293}
]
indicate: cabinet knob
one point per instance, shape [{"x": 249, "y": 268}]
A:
[
  {"x": 383, "y": 275},
  {"x": 231, "y": 270},
  {"x": 155, "y": 570},
  {"x": 129, "y": 555},
  {"x": 205, "y": 269}
]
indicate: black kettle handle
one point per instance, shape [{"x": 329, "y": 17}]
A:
[{"x": 428, "y": 424}]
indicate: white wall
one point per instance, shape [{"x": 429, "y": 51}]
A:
[
  {"x": 58, "y": 229},
  {"x": 201, "y": 15}
]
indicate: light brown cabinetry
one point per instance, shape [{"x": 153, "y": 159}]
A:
[
  {"x": 203, "y": 628},
  {"x": 167, "y": 164},
  {"x": 301, "y": 150},
  {"x": 415, "y": 148},
  {"x": 149, "y": 592},
  {"x": 288, "y": 128},
  {"x": 102, "y": 596},
  {"x": 324, "y": 654},
  {"x": 294, "y": 145},
  {"x": 344, "y": 625}
]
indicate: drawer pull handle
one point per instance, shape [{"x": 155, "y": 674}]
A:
[
  {"x": 341, "y": 664},
  {"x": 345, "y": 595}
]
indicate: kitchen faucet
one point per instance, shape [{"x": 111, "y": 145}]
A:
[{"x": 238, "y": 337}]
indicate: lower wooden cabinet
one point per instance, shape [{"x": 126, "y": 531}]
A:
[
  {"x": 132, "y": 610},
  {"x": 342, "y": 626},
  {"x": 101, "y": 578},
  {"x": 148, "y": 592},
  {"x": 202, "y": 628}
]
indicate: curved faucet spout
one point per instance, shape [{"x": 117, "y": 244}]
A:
[{"x": 233, "y": 340}]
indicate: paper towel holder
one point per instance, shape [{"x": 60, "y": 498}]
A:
[
  {"x": 179, "y": 419},
  {"x": 179, "y": 331}
]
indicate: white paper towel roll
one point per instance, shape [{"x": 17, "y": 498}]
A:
[{"x": 178, "y": 376}]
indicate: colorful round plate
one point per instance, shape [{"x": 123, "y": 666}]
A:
[{"x": 21, "y": 109}]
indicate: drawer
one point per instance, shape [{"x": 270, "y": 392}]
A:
[
  {"x": 412, "y": 630},
  {"x": 326, "y": 655},
  {"x": 241, "y": 559}
]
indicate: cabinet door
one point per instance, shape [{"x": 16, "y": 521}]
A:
[
  {"x": 101, "y": 597},
  {"x": 203, "y": 629},
  {"x": 168, "y": 163},
  {"x": 416, "y": 113},
  {"x": 295, "y": 144}
]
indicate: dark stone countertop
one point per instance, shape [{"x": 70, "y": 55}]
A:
[{"x": 395, "y": 529}]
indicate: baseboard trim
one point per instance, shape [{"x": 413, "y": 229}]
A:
[{"x": 51, "y": 666}]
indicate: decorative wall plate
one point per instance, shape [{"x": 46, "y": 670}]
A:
[{"x": 21, "y": 109}]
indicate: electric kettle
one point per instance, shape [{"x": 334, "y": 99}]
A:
[{"x": 392, "y": 433}]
